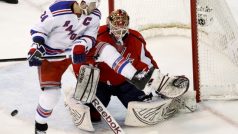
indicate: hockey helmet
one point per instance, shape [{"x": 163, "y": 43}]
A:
[{"x": 118, "y": 22}]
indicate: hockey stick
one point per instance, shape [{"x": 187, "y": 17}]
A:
[
  {"x": 112, "y": 123},
  {"x": 45, "y": 57},
  {"x": 24, "y": 59}
]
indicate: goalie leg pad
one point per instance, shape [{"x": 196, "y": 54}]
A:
[
  {"x": 80, "y": 114},
  {"x": 185, "y": 103},
  {"x": 87, "y": 83},
  {"x": 147, "y": 113}
]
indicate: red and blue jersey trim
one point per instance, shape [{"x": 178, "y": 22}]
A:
[
  {"x": 119, "y": 64},
  {"x": 62, "y": 12},
  {"x": 87, "y": 36},
  {"x": 61, "y": 8},
  {"x": 52, "y": 51}
]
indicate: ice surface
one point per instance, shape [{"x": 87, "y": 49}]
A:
[{"x": 19, "y": 88}]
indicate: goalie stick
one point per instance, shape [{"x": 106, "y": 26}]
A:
[
  {"x": 85, "y": 92},
  {"x": 112, "y": 123}
]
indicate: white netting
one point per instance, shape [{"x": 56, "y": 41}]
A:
[
  {"x": 217, "y": 37},
  {"x": 218, "y": 58},
  {"x": 152, "y": 13}
]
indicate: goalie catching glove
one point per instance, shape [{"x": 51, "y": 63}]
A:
[{"x": 154, "y": 80}]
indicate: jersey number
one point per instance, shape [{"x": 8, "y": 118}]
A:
[{"x": 43, "y": 16}]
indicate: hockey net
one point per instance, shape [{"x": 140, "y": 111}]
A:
[{"x": 212, "y": 29}]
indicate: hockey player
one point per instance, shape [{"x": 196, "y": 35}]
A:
[
  {"x": 126, "y": 66},
  {"x": 67, "y": 26}
]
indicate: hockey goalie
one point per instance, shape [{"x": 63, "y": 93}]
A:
[
  {"x": 128, "y": 71},
  {"x": 149, "y": 110}
]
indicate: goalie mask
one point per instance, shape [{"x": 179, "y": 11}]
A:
[
  {"x": 87, "y": 6},
  {"x": 118, "y": 22}
]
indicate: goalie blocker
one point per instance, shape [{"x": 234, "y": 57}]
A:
[{"x": 165, "y": 85}]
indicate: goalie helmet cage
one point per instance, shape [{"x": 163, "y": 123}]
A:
[{"x": 213, "y": 32}]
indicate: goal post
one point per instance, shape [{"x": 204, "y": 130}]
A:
[
  {"x": 213, "y": 32},
  {"x": 194, "y": 33},
  {"x": 110, "y": 6}
]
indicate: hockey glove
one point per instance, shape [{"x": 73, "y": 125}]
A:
[
  {"x": 79, "y": 54},
  {"x": 35, "y": 53}
]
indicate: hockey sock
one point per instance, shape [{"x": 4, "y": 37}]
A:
[{"x": 47, "y": 101}]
